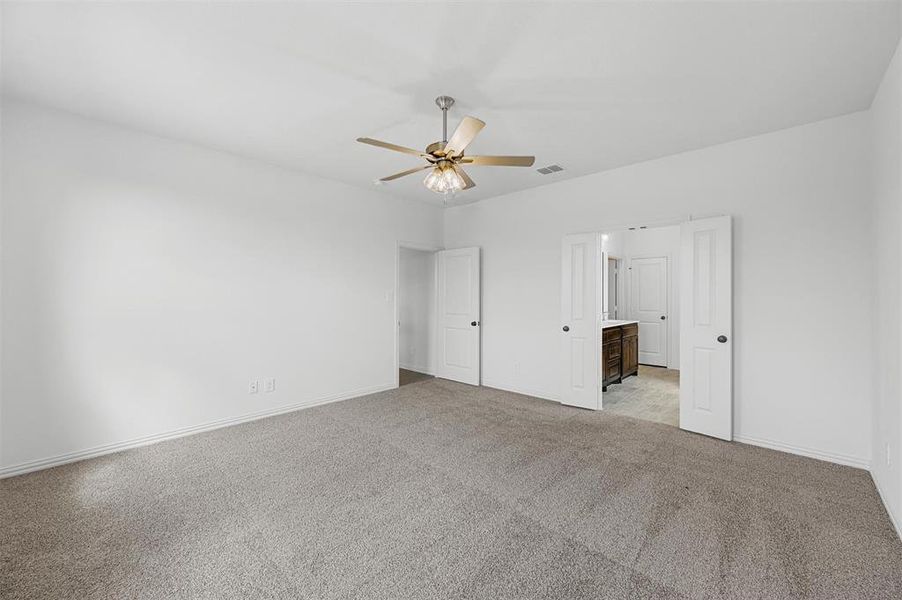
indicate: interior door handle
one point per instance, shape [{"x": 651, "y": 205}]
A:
[
  {"x": 474, "y": 323},
  {"x": 663, "y": 318},
  {"x": 722, "y": 339},
  {"x": 566, "y": 328}
]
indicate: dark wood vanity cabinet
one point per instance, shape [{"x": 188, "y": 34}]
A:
[
  {"x": 619, "y": 353},
  {"x": 630, "y": 350},
  {"x": 611, "y": 354}
]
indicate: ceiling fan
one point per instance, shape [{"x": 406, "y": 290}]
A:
[{"x": 445, "y": 158}]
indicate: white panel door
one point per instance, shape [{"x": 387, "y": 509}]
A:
[
  {"x": 706, "y": 344},
  {"x": 580, "y": 292},
  {"x": 648, "y": 305},
  {"x": 458, "y": 315}
]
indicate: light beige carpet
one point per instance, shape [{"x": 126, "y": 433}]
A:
[
  {"x": 653, "y": 395},
  {"x": 441, "y": 490}
]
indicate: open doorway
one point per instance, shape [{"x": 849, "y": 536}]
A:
[
  {"x": 416, "y": 315},
  {"x": 437, "y": 307},
  {"x": 674, "y": 340},
  {"x": 639, "y": 358}
]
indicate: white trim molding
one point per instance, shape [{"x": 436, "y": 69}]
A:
[
  {"x": 70, "y": 457},
  {"x": 510, "y": 387},
  {"x": 840, "y": 459},
  {"x": 418, "y": 369},
  {"x": 897, "y": 523}
]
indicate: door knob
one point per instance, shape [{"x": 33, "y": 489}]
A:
[
  {"x": 722, "y": 339},
  {"x": 474, "y": 323},
  {"x": 663, "y": 318},
  {"x": 566, "y": 328}
]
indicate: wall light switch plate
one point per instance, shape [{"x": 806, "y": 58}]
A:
[
  {"x": 253, "y": 387},
  {"x": 269, "y": 385}
]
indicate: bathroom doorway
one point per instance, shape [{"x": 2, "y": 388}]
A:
[{"x": 639, "y": 358}]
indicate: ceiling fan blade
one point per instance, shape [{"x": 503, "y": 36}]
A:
[
  {"x": 467, "y": 130},
  {"x": 499, "y": 161},
  {"x": 468, "y": 183},
  {"x": 389, "y": 146},
  {"x": 407, "y": 172}
]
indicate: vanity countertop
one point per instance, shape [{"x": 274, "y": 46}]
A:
[{"x": 616, "y": 323}]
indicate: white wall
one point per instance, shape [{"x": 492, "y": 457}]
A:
[
  {"x": 800, "y": 199},
  {"x": 146, "y": 281},
  {"x": 653, "y": 242},
  {"x": 886, "y": 127},
  {"x": 416, "y": 309}
]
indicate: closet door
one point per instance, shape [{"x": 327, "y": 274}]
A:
[{"x": 458, "y": 315}]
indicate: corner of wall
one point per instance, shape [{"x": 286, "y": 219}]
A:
[{"x": 885, "y": 133}]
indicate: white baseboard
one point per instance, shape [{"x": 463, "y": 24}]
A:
[
  {"x": 418, "y": 369},
  {"x": 61, "y": 459},
  {"x": 510, "y": 387},
  {"x": 850, "y": 461},
  {"x": 840, "y": 459},
  {"x": 896, "y": 521}
]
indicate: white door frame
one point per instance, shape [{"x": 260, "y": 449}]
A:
[{"x": 396, "y": 377}]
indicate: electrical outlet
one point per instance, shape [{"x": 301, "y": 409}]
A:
[
  {"x": 889, "y": 459},
  {"x": 253, "y": 387},
  {"x": 269, "y": 385},
  {"x": 516, "y": 368}
]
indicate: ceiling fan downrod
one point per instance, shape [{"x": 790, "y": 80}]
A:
[{"x": 444, "y": 103}]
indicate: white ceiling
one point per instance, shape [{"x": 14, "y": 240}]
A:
[{"x": 588, "y": 86}]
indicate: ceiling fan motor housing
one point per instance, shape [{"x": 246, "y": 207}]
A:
[{"x": 436, "y": 148}]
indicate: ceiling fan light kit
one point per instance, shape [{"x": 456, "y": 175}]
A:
[
  {"x": 443, "y": 180},
  {"x": 445, "y": 157}
]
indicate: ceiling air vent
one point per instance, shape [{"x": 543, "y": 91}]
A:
[{"x": 550, "y": 169}]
